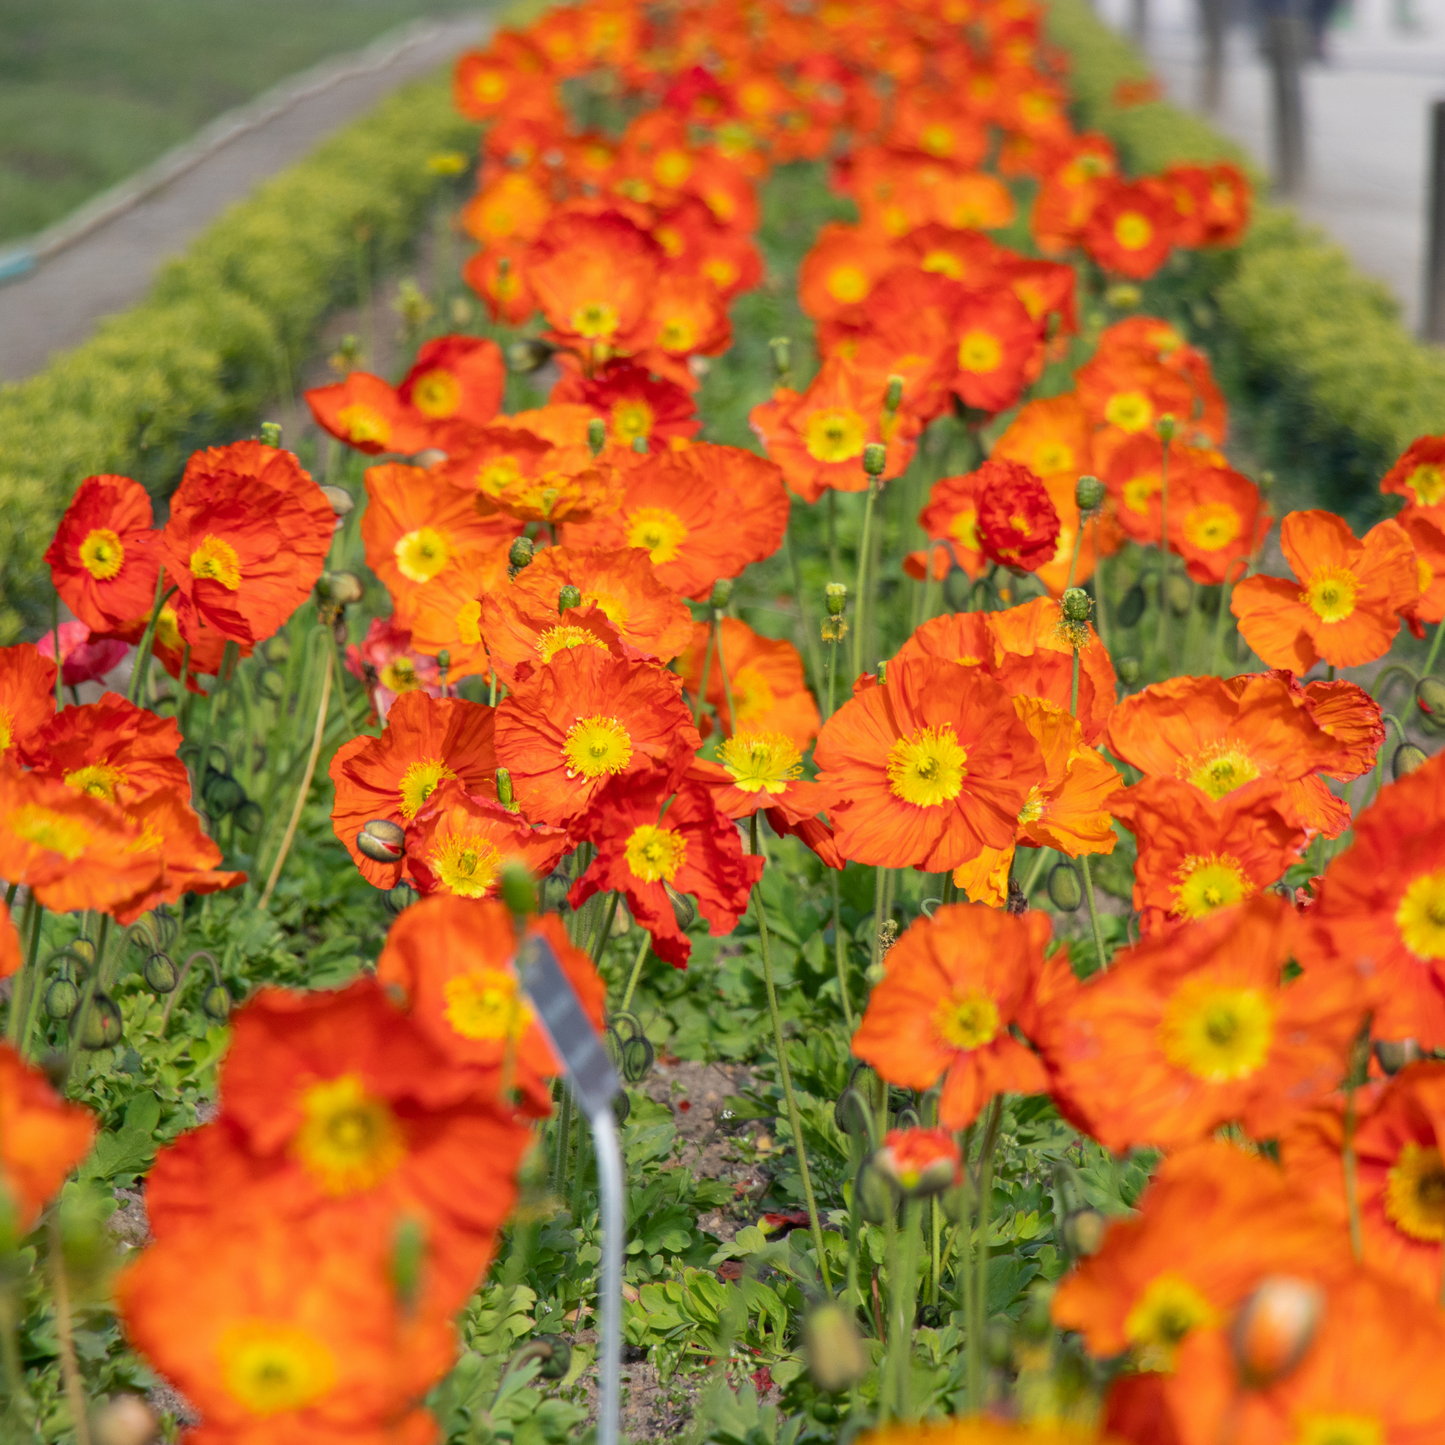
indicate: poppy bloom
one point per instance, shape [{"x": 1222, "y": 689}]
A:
[
  {"x": 515, "y": 477},
  {"x": 445, "y": 613},
  {"x": 1198, "y": 855},
  {"x": 1134, "y": 475},
  {"x": 1193, "y": 1029},
  {"x": 644, "y": 853},
  {"x": 458, "y": 843},
  {"x": 103, "y": 559},
  {"x": 452, "y": 960},
  {"x": 953, "y": 987},
  {"x": 951, "y": 516},
  {"x": 1419, "y": 475},
  {"x": 497, "y": 274},
  {"x": 1017, "y": 523},
  {"x": 683, "y": 320},
  {"x": 510, "y": 207},
  {"x": 1220, "y": 733},
  {"x": 1125, "y": 392},
  {"x": 1425, "y": 528},
  {"x": 456, "y": 378},
  {"x": 763, "y": 772},
  {"x": 1049, "y": 437},
  {"x": 113, "y": 750},
  {"x": 927, "y": 769},
  {"x": 1345, "y": 606},
  {"x": 919, "y": 1161},
  {"x": 584, "y": 719},
  {"x": 1132, "y": 228},
  {"x": 999, "y": 349},
  {"x": 1216, "y": 519},
  {"x": 633, "y": 403},
  {"x": 496, "y": 459},
  {"x": 766, "y": 680},
  {"x": 366, "y": 413},
  {"x": 83, "y": 657},
  {"x": 189, "y": 859},
  {"x": 27, "y": 699},
  {"x": 42, "y": 1138},
  {"x": 246, "y": 540},
  {"x": 425, "y": 741},
  {"x": 387, "y": 663},
  {"x": 840, "y": 270}
]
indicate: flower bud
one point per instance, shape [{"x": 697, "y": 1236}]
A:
[
  {"x": 505, "y": 795},
  {"x": 1165, "y": 426},
  {"x": 637, "y": 1059},
  {"x": 1089, "y": 494},
  {"x": 1076, "y": 604},
  {"x": 782, "y": 349},
  {"x": 1275, "y": 1327},
  {"x": 893, "y": 397},
  {"x": 62, "y": 999},
  {"x": 429, "y": 457},
  {"x": 1430, "y": 696},
  {"x": 271, "y": 433},
  {"x": 722, "y": 591},
  {"x": 102, "y": 1028},
  {"x": 1084, "y": 1231},
  {"x": 835, "y": 1355},
  {"x": 528, "y": 356},
  {"x": 160, "y": 973},
  {"x": 222, "y": 795},
  {"x": 1131, "y": 608},
  {"x": 399, "y": 898},
  {"x": 444, "y": 663},
  {"x": 381, "y": 840},
  {"x": 341, "y": 589},
  {"x": 342, "y": 502},
  {"x": 249, "y": 817},
  {"x": 918, "y": 1162},
  {"x": 84, "y": 949},
  {"x": 873, "y": 1193},
  {"x": 124, "y": 1420},
  {"x": 520, "y": 555},
  {"x": 1127, "y": 669},
  {"x": 639, "y": 445},
  {"x": 1407, "y": 758},
  {"x": 682, "y": 907},
  {"x": 1396, "y": 1054},
  {"x": 835, "y": 598},
  {"x": 518, "y": 888},
  {"x": 882, "y": 674},
  {"x": 1178, "y": 594},
  {"x": 568, "y": 597},
  {"x": 216, "y": 1003},
  {"x": 875, "y": 458},
  {"x": 1066, "y": 892},
  {"x": 596, "y": 435},
  {"x": 408, "y": 1256}
]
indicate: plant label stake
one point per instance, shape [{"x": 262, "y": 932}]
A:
[{"x": 594, "y": 1084}]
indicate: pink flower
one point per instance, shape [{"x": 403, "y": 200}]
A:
[
  {"x": 83, "y": 658},
  {"x": 388, "y": 666}
]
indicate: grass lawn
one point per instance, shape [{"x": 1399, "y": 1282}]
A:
[{"x": 91, "y": 90}]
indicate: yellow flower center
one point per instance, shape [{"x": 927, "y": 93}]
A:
[
  {"x": 97, "y": 780},
  {"x": 363, "y": 425},
  {"x": 1204, "y": 882},
  {"x": 419, "y": 782},
  {"x": 45, "y": 828},
  {"x": 349, "y": 1139},
  {"x": 944, "y": 263},
  {"x": 168, "y": 629},
  {"x": 614, "y": 608},
  {"x": 1331, "y": 593},
  {"x": 753, "y": 696},
  {"x": 420, "y": 555},
  {"x": 655, "y": 854},
  {"x": 564, "y": 635},
  {"x": 1139, "y": 490},
  {"x": 217, "y": 560},
  {"x": 469, "y": 622},
  {"x": 7, "y": 730},
  {"x": 270, "y": 1367},
  {"x": 677, "y": 334},
  {"x": 979, "y": 352},
  {"x": 437, "y": 393},
  {"x": 630, "y": 420},
  {"x": 1166, "y": 1312},
  {"x": 848, "y": 284},
  {"x": 1053, "y": 456},
  {"x": 937, "y": 139},
  {"x": 1212, "y": 525},
  {"x": 399, "y": 675},
  {"x": 672, "y": 168},
  {"x": 761, "y": 762},
  {"x": 596, "y": 745},
  {"x": 927, "y": 768},
  {"x": 1427, "y": 482},
  {"x": 834, "y": 434},
  {"x": 1421, "y": 915},
  {"x": 1033, "y": 808},
  {"x": 964, "y": 529},
  {"x": 658, "y": 530},
  {"x": 1415, "y": 1193},
  {"x": 969, "y": 1022},
  {"x": 1339, "y": 1430},
  {"x": 1133, "y": 231},
  {"x": 487, "y": 1004},
  {"x": 467, "y": 864},
  {"x": 495, "y": 476},
  {"x": 102, "y": 553},
  {"x": 1130, "y": 411},
  {"x": 594, "y": 319},
  {"x": 1217, "y": 1032},
  {"x": 1220, "y": 769}
]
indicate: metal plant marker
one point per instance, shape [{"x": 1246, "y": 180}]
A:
[{"x": 594, "y": 1084}]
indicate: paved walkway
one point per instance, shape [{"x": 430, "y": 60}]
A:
[
  {"x": 57, "y": 305},
  {"x": 1366, "y": 120}
]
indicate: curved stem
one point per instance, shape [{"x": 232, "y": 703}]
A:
[
  {"x": 1434, "y": 649},
  {"x": 142, "y": 662},
  {"x": 636, "y": 971},
  {"x": 69, "y": 1367},
  {"x": 860, "y": 611},
  {"x": 840, "y": 952}
]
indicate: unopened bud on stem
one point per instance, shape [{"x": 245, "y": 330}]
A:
[
  {"x": 1275, "y": 1327},
  {"x": 875, "y": 458},
  {"x": 520, "y": 554},
  {"x": 1407, "y": 758},
  {"x": 381, "y": 840},
  {"x": 722, "y": 591},
  {"x": 596, "y": 435},
  {"x": 1165, "y": 427},
  {"x": 1089, "y": 494},
  {"x": 1076, "y": 604},
  {"x": 835, "y": 598},
  {"x": 782, "y": 349},
  {"x": 893, "y": 397},
  {"x": 271, "y": 433},
  {"x": 568, "y": 598}
]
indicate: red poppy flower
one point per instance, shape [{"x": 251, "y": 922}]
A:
[
  {"x": 445, "y": 613},
  {"x": 1419, "y": 475},
  {"x": 113, "y": 750},
  {"x": 42, "y": 1138},
  {"x": 1017, "y": 523},
  {"x": 840, "y": 270},
  {"x": 1425, "y": 527},
  {"x": 387, "y": 663},
  {"x": 643, "y": 851},
  {"x": 366, "y": 413},
  {"x": 1131, "y": 229},
  {"x": 103, "y": 559},
  {"x": 497, "y": 275},
  {"x": 246, "y": 540},
  {"x": 1000, "y": 349},
  {"x": 1216, "y": 519},
  {"x": 633, "y": 403},
  {"x": 27, "y": 699},
  {"x": 585, "y": 718},
  {"x": 456, "y": 378}
]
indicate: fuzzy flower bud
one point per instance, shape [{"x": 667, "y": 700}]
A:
[
  {"x": 893, "y": 397},
  {"x": 1076, "y": 604},
  {"x": 1165, "y": 426},
  {"x": 596, "y": 435},
  {"x": 568, "y": 597},
  {"x": 835, "y": 598},
  {"x": 875, "y": 458},
  {"x": 918, "y": 1162},
  {"x": 520, "y": 554},
  {"x": 1089, "y": 494},
  {"x": 1275, "y": 1326},
  {"x": 381, "y": 840},
  {"x": 722, "y": 591},
  {"x": 1407, "y": 758}
]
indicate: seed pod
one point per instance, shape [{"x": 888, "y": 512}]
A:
[
  {"x": 429, "y": 457},
  {"x": 222, "y": 795},
  {"x": 1165, "y": 426},
  {"x": 621, "y": 1106},
  {"x": 722, "y": 591},
  {"x": 682, "y": 908},
  {"x": 875, "y": 458},
  {"x": 216, "y": 1003},
  {"x": 1407, "y": 758},
  {"x": 520, "y": 554},
  {"x": 342, "y": 502},
  {"x": 249, "y": 817},
  {"x": 527, "y": 356},
  {"x": 1430, "y": 696},
  {"x": 1076, "y": 604},
  {"x": 124, "y": 1420},
  {"x": 381, "y": 840},
  {"x": 1396, "y": 1054},
  {"x": 102, "y": 1028},
  {"x": 1066, "y": 891},
  {"x": 835, "y": 1355},
  {"x": 1131, "y": 609},
  {"x": 835, "y": 598},
  {"x": 1178, "y": 594},
  {"x": 639, "y": 445},
  {"x": 1084, "y": 1231},
  {"x": 596, "y": 435},
  {"x": 1127, "y": 669},
  {"x": 505, "y": 796},
  {"x": 1275, "y": 1327},
  {"x": 160, "y": 973},
  {"x": 568, "y": 598},
  {"x": 637, "y": 1057},
  {"x": 62, "y": 999},
  {"x": 1089, "y": 494}
]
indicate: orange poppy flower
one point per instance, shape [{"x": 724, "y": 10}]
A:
[
  {"x": 565, "y": 483},
  {"x": 366, "y": 413},
  {"x": 933, "y": 125},
  {"x": 452, "y": 961},
  {"x": 644, "y": 852},
  {"x": 1345, "y": 606},
  {"x": 927, "y": 769},
  {"x": 113, "y": 750},
  {"x": 840, "y": 270},
  {"x": 1425, "y": 527},
  {"x": 42, "y": 1138},
  {"x": 425, "y": 741},
  {"x": 72, "y": 850},
  {"x": 513, "y": 206},
  {"x": 1151, "y": 339},
  {"x": 968, "y": 257},
  {"x": 1216, "y": 519},
  {"x": 683, "y": 319},
  {"x": 951, "y": 516},
  {"x": 417, "y": 526},
  {"x": 485, "y": 82},
  {"x": 1125, "y": 392},
  {"x": 170, "y": 826},
  {"x": 1000, "y": 349},
  {"x": 1221, "y": 733},
  {"x": 1034, "y": 657},
  {"x": 27, "y": 699},
  {"x": 247, "y": 538},
  {"x": 495, "y": 459},
  {"x": 767, "y": 682},
  {"x": 456, "y": 378},
  {"x": 585, "y": 718},
  {"x": 1049, "y": 437},
  {"x": 1047, "y": 290},
  {"x": 1134, "y": 476},
  {"x": 1197, "y": 854},
  {"x": 1017, "y": 524},
  {"x": 1419, "y": 475},
  {"x": 1193, "y": 1029},
  {"x": 498, "y": 276},
  {"x": 953, "y": 988},
  {"x": 181, "y": 640},
  {"x": 763, "y": 772},
  {"x": 633, "y": 403},
  {"x": 103, "y": 559},
  {"x": 446, "y": 612},
  {"x": 1132, "y": 228},
  {"x": 458, "y": 843}
]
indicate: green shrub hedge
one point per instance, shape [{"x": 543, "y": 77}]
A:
[
  {"x": 1330, "y": 386},
  {"x": 224, "y": 329}
]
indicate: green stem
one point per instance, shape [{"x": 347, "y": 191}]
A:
[
  {"x": 18, "y": 1405},
  {"x": 339, "y": 657},
  {"x": 701, "y": 697},
  {"x": 1164, "y": 545},
  {"x": 220, "y": 690},
  {"x": 636, "y": 971},
  {"x": 55, "y": 636},
  {"x": 1093, "y": 912},
  {"x": 840, "y": 952},
  {"x": 1074, "y": 557},
  {"x": 564, "y": 1140},
  {"x": 935, "y": 1261},
  {"x": 69, "y": 1367},
  {"x": 985, "y": 1204},
  {"x": 25, "y": 979},
  {"x": 604, "y": 932},
  {"x": 832, "y": 533},
  {"x": 794, "y": 1117},
  {"x": 860, "y": 612},
  {"x": 832, "y": 670},
  {"x": 902, "y": 1294},
  {"x": 1099, "y": 586},
  {"x": 1434, "y": 648},
  {"x": 810, "y": 633},
  {"x": 143, "y": 653},
  {"x": 722, "y": 667},
  {"x": 1032, "y": 881}
]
